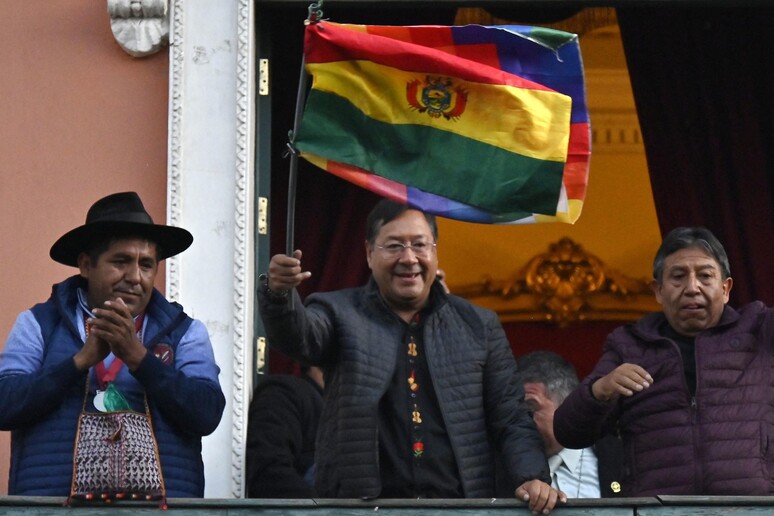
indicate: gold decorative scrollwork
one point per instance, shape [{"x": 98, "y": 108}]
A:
[{"x": 563, "y": 285}]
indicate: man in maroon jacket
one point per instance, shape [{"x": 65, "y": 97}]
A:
[{"x": 689, "y": 388}]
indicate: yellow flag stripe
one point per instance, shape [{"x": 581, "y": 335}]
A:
[{"x": 532, "y": 123}]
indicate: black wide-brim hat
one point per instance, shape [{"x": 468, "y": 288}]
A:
[{"x": 119, "y": 215}]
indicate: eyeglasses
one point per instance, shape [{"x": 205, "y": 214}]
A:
[{"x": 395, "y": 249}]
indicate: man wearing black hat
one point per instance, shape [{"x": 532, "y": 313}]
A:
[{"x": 109, "y": 327}]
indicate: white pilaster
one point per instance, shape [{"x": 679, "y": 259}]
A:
[{"x": 210, "y": 193}]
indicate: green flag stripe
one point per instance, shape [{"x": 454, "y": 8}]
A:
[{"x": 436, "y": 161}]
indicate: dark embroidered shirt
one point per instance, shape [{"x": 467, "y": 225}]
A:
[{"x": 415, "y": 455}]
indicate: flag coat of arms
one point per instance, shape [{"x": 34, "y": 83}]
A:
[{"x": 475, "y": 123}]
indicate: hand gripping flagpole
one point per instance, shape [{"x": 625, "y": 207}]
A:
[{"x": 315, "y": 14}]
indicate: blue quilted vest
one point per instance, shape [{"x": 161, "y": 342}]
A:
[{"x": 42, "y": 452}]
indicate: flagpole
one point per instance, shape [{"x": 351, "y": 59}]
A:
[
  {"x": 293, "y": 173},
  {"x": 315, "y": 13}
]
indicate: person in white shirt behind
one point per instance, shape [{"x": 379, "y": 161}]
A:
[{"x": 592, "y": 472}]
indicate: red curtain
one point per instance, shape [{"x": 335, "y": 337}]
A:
[
  {"x": 580, "y": 343},
  {"x": 703, "y": 82}
]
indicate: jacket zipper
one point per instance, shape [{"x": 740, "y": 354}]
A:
[
  {"x": 694, "y": 415},
  {"x": 696, "y": 427}
]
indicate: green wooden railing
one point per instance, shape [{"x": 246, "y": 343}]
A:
[{"x": 655, "y": 506}]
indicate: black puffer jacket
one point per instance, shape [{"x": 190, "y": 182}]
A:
[
  {"x": 281, "y": 433},
  {"x": 353, "y": 335}
]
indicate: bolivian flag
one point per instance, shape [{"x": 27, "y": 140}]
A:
[{"x": 483, "y": 124}]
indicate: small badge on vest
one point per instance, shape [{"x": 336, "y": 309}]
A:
[{"x": 164, "y": 353}]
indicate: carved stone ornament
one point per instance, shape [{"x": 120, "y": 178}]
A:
[
  {"x": 141, "y": 27},
  {"x": 564, "y": 285}
]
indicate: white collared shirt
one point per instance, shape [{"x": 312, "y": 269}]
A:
[{"x": 574, "y": 472}]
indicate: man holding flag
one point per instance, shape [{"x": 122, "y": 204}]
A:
[{"x": 421, "y": 390}]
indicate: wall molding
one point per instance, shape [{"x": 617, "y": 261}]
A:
[
  {"x": 243, "y": 255},
  {"x": 210, "y": 192},
  {"x": 615, "y": 127},
  {"x": 174, "y": 145}
]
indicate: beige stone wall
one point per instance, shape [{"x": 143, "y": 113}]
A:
[{"x": 79, "y": 118}]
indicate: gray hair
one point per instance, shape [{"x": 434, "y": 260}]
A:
[
  {"x": 687, "y": 237},
  {"x": 552, "y": 370}
]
